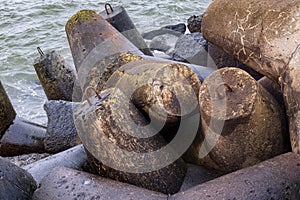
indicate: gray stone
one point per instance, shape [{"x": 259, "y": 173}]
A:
[
  {"x": 15, "y": 183},
  {"x": 277, "y": 178},
  {"x": 64, "y": 183},
  {"x": 61, "y": 132},
  {"x": 72, "y": 158},
  {"x": 191, "y": 48},
  {"x": 22, "y": 137},
  {"x": 163, "y": 43}
]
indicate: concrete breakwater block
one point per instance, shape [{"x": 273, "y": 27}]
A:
[
  {"x": 55, "y": 75},
  {"x": 265, "y": 35},
  {"x": 61, "y": 130},
  {"x": 277, "y": 178},
  {"x": 65, "y": 183},
  {"x": 242, "y": 123},
  {"x": 7, "y": 112},
  {"x": 262, "y": 34},
  {"x": 15, "y": 183},
  {"x": 90, "y": 35},
  {"x": 119, "y": 147},
  {"x": 121, "y": 21},
  {"x": 71, "y": 158},
  {"x": 22, "y": 137}
]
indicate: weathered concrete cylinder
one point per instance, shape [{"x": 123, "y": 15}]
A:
[
  {"x": 7, "y": 112},
  {"x": 165, "y": 91},
  {"x": 118, "y": 18},
  {"x": 262, "y": 34},
  {"x": 73, "y": 158},
  {"x": 242, "y": 123},
  {"x": 56, "y": 77},
  {"x": 65, "y": 183},
  {"x": 277, "y": 178},
  {"x": 100, "y": 74},
  {"x": 102, "y": 71},
  {"x": 22, "y": 137},
  {"x": 15, "y": 183},
  {"x": 88, "y": 33},
  {"x": 121, "y": 146}
]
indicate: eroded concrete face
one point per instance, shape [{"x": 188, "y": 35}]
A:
[{"x": 261, "y": 34}]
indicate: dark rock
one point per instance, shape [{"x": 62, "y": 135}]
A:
[
  {"x": 191, "y": 48},
  {"x": 277, "y": 178},
  {"x": 175, "y": 30},
  {"x": 15, "y": 183},
  {"x": 194, "y": 23},
  {"x": 64, "y": 183},
  {"x": 181, "y": 27},
  {"x": 61, "y": 132},
  {"x": 23, "y": 137},
  {"x": 71, "y": 158},
  {"x": 219, "y": 58}
]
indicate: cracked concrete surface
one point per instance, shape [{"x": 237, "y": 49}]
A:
[{"x": 261, "y": 34}]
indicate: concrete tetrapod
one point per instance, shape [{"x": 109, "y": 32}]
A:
[
  {"x": 261, "y": 34},
  {"x": 242, "y": 123},
  {"x": 165, "y": 92},
  {"x": 121, "y": 146}
]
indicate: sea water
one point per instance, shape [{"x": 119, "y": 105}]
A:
[{"x": 28, "y": 24}]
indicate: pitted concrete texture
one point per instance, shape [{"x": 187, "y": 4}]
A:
[
  {"x": 65, "y": 183},
  {"x": 277, "y": 178}
]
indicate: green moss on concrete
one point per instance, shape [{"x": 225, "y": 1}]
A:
[{"x": 82, "y": 15}]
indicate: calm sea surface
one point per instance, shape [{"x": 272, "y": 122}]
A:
[{"x": 27, "y": 24}]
